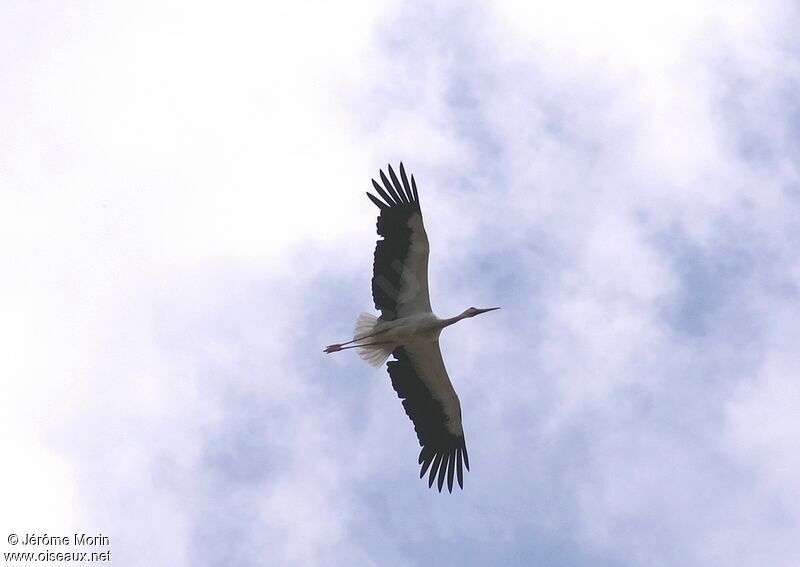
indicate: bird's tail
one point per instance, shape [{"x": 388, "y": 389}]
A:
[{"x": 375, "y": 354}]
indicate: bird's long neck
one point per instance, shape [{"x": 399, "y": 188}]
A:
[{"x": 453, "y": 320}]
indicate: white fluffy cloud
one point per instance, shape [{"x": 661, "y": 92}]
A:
[{"x": 182, "y": 193}]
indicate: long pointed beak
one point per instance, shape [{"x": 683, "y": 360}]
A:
[{"x": 486, "y": 310}]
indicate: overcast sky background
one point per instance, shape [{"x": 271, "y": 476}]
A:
[{"x": 184, "y": 224}]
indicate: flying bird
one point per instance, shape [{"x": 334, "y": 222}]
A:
[{"x": 408, "y": 330}]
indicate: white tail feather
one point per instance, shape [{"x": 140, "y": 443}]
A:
[{"x": 376, "y": 355}]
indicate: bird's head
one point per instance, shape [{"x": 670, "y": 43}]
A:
[{"x": 472, "y": 311}]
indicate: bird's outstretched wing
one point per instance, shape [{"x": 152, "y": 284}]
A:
[
  {"x": 400, "y": 272},
  {"x": 420, "y": 380}
]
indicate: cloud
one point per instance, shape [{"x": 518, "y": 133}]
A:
[{"x": 189, "y": 231}]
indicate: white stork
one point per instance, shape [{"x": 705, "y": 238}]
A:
[{"x": 409, "y": 331}]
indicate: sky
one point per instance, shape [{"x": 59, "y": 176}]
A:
[{"x": 182, "y": 205}]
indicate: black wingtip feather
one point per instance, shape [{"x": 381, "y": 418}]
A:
[
  {"x": 434, "y": 469},
  {"x": 443, "y": 469},
  {"x": 425, "y": 454},
  {"x": 460, "y": 469},
  {"x": 388, "y": 184},
  {"x": 425, "y": 464},
  {"x": 406, "y": 186},
  {"x": 383, "y": 193},
  {"x": 451, "y": 469},
  {"x": 381, "y": 205},
  {"x": 397, "y": 186}
]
